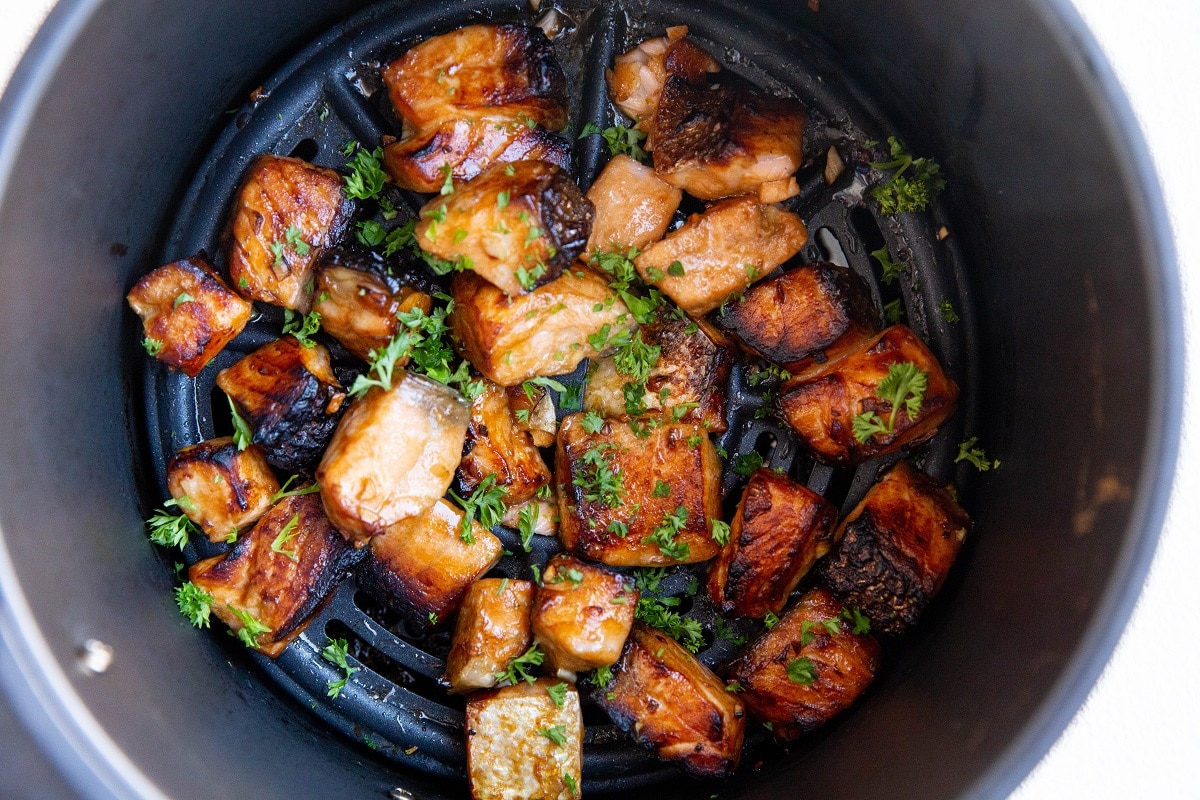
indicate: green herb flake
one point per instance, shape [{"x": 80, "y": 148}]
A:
[
  {"x": 336, "y": 653},
  {"x": 288, "y": 532},
  {"x": 194, "y": 603},
  {"x": 967, "y": 451},
  {"x": 914, "y": 183},
  {"x": 802, "y": 671},
  {"x": 720, "y": 532}
]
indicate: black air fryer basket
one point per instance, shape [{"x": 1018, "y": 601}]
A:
[{"x": 126, "y": 132}]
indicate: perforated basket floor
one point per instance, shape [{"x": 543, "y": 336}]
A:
[{"x": 330, "y": 93}]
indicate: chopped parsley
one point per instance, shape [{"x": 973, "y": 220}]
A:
[
  {"x": 676, "y": 269},
  {"x": 905, "y": 385},
  {"x": 569, "y": 781},
  {"x": 598, "y": 480},
  {"x": 284, "y": 491},
  {"x": 302, "y": 327},
  {"x": 662, "y": 489},
  {"x": 857, "y": 619},
  {"x": 591, "y": 422},
  {"x": 665, "y": 532},
  {"x": 625, "y": 140},
  {"x": 892, "y": 312},
  {"x": 366, "y": 177},
  {"x": 370, "y": 233},
  {"x": 558, "y": 694},
  {"x": 656, "y": 612},
  {"x": 967, "y": 451},
  {"x": 486, "y": 503},
  {"x": 448, "y": 179},
  {"x": 948, "y": 313},
  {"x": 802, "y": 671},
  {"x": 723, "y": 630},
  {"x": 570, "y": 574},
  {"x": 528, "y": 278},
  {"x": 747, "y": 464},
  {"x": 243, "y": 434},
  {"x": 181, "y": 298},
  {"x": 251, "y": 628},
  {"x": 891, "y": 269},
  {"x": 194, "y": 603},
  {"x": 519, "y": 668},
  {"x": 832, "y": 626},
  {"x": 153, "y": 346},
  {"x": 336, "y": 653},
  {"x": 288, "y": 532},
  {"x": 770, "y": 620},
  {"x": 556, "y": 734},
  {"x": 527, "y": 521},
  {"x": 172, "y": 530},
  {"x": 907, "y": 192},
  {"x": 720, "y": 532}
]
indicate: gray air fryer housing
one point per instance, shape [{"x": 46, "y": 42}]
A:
[{"x": 1072, "y": 286}]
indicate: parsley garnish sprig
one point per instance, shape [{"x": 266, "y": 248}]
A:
[
  {"x": 336, "y": 653},
  {"x": 194, "y": 603},
  {"x": 520, "y": 668},
  {"x": 967, "y": 451},
  {"x": 907, "y": 192},
  {"x": 486, "y": 503},
  {"x": 172, "y": 530},
  {"x": 665, "y": 532},
  {"x": 366, "y": 177},
  {"x": 904, "y": 385}
]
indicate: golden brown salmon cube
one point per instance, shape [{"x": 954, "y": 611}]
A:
[
  {"x": 517, "y": 225},
  {"x": 721, "y": 252},
  {"x": 823, "y": 406},
  {"x": 466, "y": 147},
  {"x": 895, "y": 548},
  {"x": 523, "y": 744},
  {"x": 778, "y": 532},
  {"x": 291, "y": 398},
  {"x": 687, "y": 382},
  {"x": 641, "y": 498},
  {"x": 423, "y": 565},
  {"x": 728, "y": 139},
  {"x": 188, "y": 313},
  {"x": 546, "y": 332},
  {"x": 285, "y": 214},
  {"x": 274, "y": 579},
  {"x": 808, "y": 668},
  {"x": 496, "y": 445},
  {"x": 393, "y": 455},
  {"x": 492, "y": 630},
  {"x": 533, "y": 408},
  {"x": 359, "y": 308},
  {"x": 582, "y": 614},
  {"x": 633, "y": 207},
  {"x": 226, "y": 489},
  {"x": 480, "y": 72},
  {"x": 675, "y": 706},
  {"x": 804, "y": 318}
]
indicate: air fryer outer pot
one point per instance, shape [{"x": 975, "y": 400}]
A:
[{"x": 1072, "y": 276}]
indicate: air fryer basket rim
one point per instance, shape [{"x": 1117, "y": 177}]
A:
[{"x": 35, "y": 682}]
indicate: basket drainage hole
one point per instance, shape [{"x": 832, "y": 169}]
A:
[
  {"x": 305, "y": 149},
  {"x": 831, "y": 248}
]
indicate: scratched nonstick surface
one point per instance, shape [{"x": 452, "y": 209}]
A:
[{"x": 329, "y": 94}]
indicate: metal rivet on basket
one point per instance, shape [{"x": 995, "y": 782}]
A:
[{"x": 95, "y": 656}]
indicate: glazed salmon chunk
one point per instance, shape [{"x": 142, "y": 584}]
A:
[
  {"x": 226, "y": 489},
  {"x": 393, "y": 455},
  {"x": 188, "y": 313},
  {"x": 582, "y": 614},
  {"x": 359, "y": 307},
  {"x": 518, "y": 226},
  {"x": 493, "y": 628},
  {"x": 643, "y": 496},
  {"x": 889, "y": 393},
  {"x": 637, "y": 78},
  {"x": 498, "y": 446},
  {"x": 545, "y": 332},
  {"x": 269, "y": 584},
  {"x": 285, "y": 214},
  {"x": 633, "y": 206},
  {"x": 721, "y": 252},
  {"x": 807, "y": 669},
  {"x": 896, "y": 547}
]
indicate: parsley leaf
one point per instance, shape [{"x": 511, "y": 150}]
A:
[
  {"x": 153, "y": 346},
  {"x": 856, "y": 618},
  {"x": 603, "y": 676},
  {"x": 747, "y": 464},
  {"x": 892, "y": 312},
  {"x": 720, "y": 532},
  {"x": 251, "y": 628},
  {"x": 802, "y": 671},
  {"x": 370, "y": 233},
  {"x": 336, "y": 653},
  {"x": 591, "y": 422},
  {"x": 558, "y": 694},
  {"x": 171, "y": 530},
  {"x": 527, "y": 520},
  {"x": 302, "y": 327},
  {"x": 664, "y": 535},
  {"x": 283, "y": 492},
  {"x": 288, "y": 532},
  {"x": 891, "y": 269},
  {"x": 911, "y": 192},
  {"x": 904, "y": 385},
  {"x": 598, "y": 480},
  {"x": 967, "y": 451},
  {"x": 556, "y": 734},
  {"x": 625, "y": 140},
  {"x": 571, "y": 784},
  {"x": 661, "y": 489},
  {"x": 366, "y": 178},
  {"x": 243, "y": 434},
  {"x": 519, "y": 668},
  {"x": 194, "y": 603},
  {"x": 948, "y": 313},
  {"x": 770, "y": 620},
  {"x": 448, "y": 176},
  {"x": 486, "y": 502},
  {"x": 657, "y": 613}
]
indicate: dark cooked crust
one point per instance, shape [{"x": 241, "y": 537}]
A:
[
  {"x": 896, "y": 548},
  {"x": 843, "y": 664},
  {"x": 821, "y": 406},
  {"x": 277, "y": 591},
  {"x": 567, "y": 215},
  {"x": 779, "y": 530},
  {"x": 814, "y": 313},
  {"x": 469, "y": 147},
  {"x": 290, "y": 397},
  {"x": 674, "y": 706},
  {"x": 497, "y": 445}
]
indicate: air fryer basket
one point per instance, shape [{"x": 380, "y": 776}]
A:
[{"x": 1053, "y": 258}]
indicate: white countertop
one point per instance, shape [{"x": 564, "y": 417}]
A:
[{"x": 1138, "y": 735}]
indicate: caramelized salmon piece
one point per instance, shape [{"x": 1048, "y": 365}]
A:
[
  {"x": 637, "y": 78},
  {"x": 467, "y": 147},
  {"x": 393, "y": 455},
  {"x": 807, "y": 669},
  {"x": 778, "y": 532},
  {"x": 518, "y": 225},
  {"x": 492, "y": 629},
  {"x": 633, "y": 207},
  {"x": 822, "y": 406},
  {"x": 227, "y": 489},
  {"x": 188, "y": 313},
  {"x": 359, "y": 307},
  {"x": 687, "y": 382},
  {"x": 479, "y": 72},
  {"x": 533, "y": 409},
  {"x": 582, "y": 614},
  {"x": 721, "y": 252},
  {"x": 804, "y": 318},
  {"x": 523, "y": 744},
  {"x": 285, "y": 214},
  {"x": 896, "y": 547},
  {"x": 674, "y": 706},
  {"x": 274, "y": 579},
  {"x": 423, "y": 565},
  {"x": 546, "y": 332},
  {"x": 728, "y": 140},
  {"x": 496, "y": 445},
  {"x": 291, "y": 398},
  {"x": 643, "y": 497}
]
